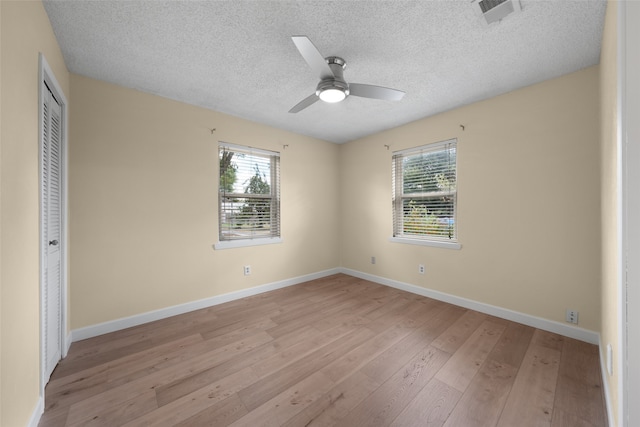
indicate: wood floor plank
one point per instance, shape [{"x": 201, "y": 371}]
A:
[
  {"x": 336, "y": 403},
  {"x": 220, "y": 414},
  {"x": 548, "y": 339},
  {"x": 249, "y": 314},
  {"x": 423, "y": 309},
  {"x": 457, "y": 334},
  {"x": 530, "y": 401},
  {"x": 513, "y": 344},
  {"x": 359, "y": 304},
  {"x": 96, "y": 357},
  {"x": 482, "y": 402},
  {"x": 122, "y": 337},
  {"x": 322, "y": 289},
  {"x": 307, "y": 344},
  {"x": 87, "y": 383},
  {"x": 337, "y": 315},
  {"x": 112, "y": 368},
  {"x": 235, "y": 331},
  {"x": 388, "y": 362},
  {"x": 362, "y": 354},
  {"x": 185, "y": 385},
  {"x": 431, "y": 406},
  {"x": 278, "y": 381},
  {"x": 289, "y": 327},
  {"x": 390, "y": 399},
  {"x": 564, "y": 419},
  {"x": 284, "y": 406},
  {"x": 118, "y": 395},
  {"x": 338, "y": 350},
  {"x": 192, "y": 404},
  {"x": 395, "y": 306},
  {"x": 120, "y": 414},
  {"x": 467, "y": 360},
  {"x": 301, "y": 309},
  {"x": 315, "y": 317},
  {"x": 55, "y": 417},
  {"x": 93, "y": 356},
  {"x": 413, "y": 315},
  {"x": 579, "y": 390}
]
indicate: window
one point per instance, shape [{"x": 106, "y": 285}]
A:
[
  {"x": 424, "y": 195},
  {"x": 248, "y": 196}
]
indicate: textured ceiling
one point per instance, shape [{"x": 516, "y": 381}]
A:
[{"x": 237, "y": 57}]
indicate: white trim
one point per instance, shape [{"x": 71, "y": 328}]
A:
[
  {"x": 37, "y": 413},
  {"x": 139, "y": 319},
  {"x": 230, "y": 244},
  {"x": 45, "y": 74},
  {"x": 629, "y": 282},
  {"x": 424, "y": 242},
  {"x": 399, "y": 196},
  {"x": 68, "y": 340},
  {"x": 248, "y": 149},
  {"x": 620, "y": 362},
  {"x": 433, "y": 146},
  {"x": 526, "y": 319},
  {"x": 605, "y": 384}
]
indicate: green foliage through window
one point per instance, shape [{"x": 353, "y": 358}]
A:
[
  {"x": 249, "y": 198},
  {"x": 424, "y": 192}
]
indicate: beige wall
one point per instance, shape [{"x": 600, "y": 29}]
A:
[
  {"x": 25, "y": 32},
  {"x": 609, "y": 154},
  {"x": 143, "y": 204},
  {"x": 528, "y": 202}
]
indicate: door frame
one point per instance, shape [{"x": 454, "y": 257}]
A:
[
  {"x": 45, "y": 75},
  {"x": 629, "y": 206}
]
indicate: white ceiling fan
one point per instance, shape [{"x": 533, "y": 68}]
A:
[{"x": 333, "y": 87}]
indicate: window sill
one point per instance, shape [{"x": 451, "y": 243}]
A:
[
  {"x": 433, "y": 243},
  {"x": 230, "y": 244}
]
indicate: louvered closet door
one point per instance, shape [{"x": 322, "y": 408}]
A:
[{"x": 52, "y": 212}]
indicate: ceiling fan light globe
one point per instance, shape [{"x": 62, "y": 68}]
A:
[{"x": 332, "y": 95}]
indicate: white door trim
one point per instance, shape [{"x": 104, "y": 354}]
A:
[
  {"x": 45, "y": 74},
  {"x": 629, "y": 136}
]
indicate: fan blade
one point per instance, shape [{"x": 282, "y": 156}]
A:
[
  {"x": 314, "y": 58},
  {"x": 304, "y": 103},
  {"x": 375, "y": 92}
]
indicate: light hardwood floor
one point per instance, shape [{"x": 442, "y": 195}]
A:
[{"x": 334, "y": 351}]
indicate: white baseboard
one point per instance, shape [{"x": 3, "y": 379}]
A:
[
  {"x": 526, "y": 319},
  {"x": 67, "y": 344},
  {"x": 139, "y": 319},
  {"x": 605, "y": 384},
  {"x": 37, "y": 413}
]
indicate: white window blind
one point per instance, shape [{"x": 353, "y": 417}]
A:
[
  {"x": 424, "y": 192},
  {"x": 249, "y": 193}
]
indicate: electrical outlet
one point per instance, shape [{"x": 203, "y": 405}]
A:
[
  {"x": 247, "y": 270},
  {"x": 572, "y": 316},
  {"x": 421, "y": 268},
  {"x": 373, "y": 260}
]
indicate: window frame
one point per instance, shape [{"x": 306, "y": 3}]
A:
[
  {"x": 398, "y": 196},
  {"x": 274, "y": 197}
]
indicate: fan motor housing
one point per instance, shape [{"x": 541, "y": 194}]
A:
[
  {"x": 332, "y": 84},
  {"x": 337, "y": 65}
]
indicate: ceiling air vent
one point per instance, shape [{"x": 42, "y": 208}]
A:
[{"x": 492, "y": 11}]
